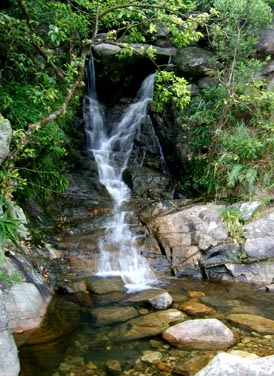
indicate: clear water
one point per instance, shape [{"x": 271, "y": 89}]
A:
[{"x": 89, "y": 344}]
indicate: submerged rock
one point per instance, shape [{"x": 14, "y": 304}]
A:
[
  {"x": 110, "y": 315},
  {"x": 204, "y": 334},
  {"x": 147, "y": 326},
  {"x": 252, "y": 322},
  {"x": 194, "y": 308}
]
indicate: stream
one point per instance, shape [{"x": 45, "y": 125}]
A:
[{"x": 76, "y": 336}]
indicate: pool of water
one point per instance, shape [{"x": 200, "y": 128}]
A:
[{"x": 71, "y": 343}]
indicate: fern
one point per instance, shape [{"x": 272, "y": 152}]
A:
[{"x": 234, "y": 175}]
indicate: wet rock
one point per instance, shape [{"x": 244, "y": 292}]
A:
[
  {"x": 217, "y": 302},
  {"x": 157, "y": 298},
  {"x": 204, "y": 334},
  {"x": 110, "y": 315},
  {"x": 225, "y": 364},
  {"x": 100, "y": 285},
  {"x": 9, "y": 363},
  {"x": 195, "y": 294},
  {"x": 25, "y": 306},
  {"x": 252, "y": 322},
  {"x": 147, "y": 183},
  {"x": 194, "y": 308},
  {"x": 147, "y": 326}
]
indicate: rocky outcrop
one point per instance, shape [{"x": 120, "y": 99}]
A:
[{"x": 198, "y": 242}]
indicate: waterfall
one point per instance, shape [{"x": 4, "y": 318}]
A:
[{"x": 118, "y": 250}]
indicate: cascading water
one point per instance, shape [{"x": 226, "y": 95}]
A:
[{"x": 118, "y": 249}]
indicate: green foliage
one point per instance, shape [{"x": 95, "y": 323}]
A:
[
  {"x": 232, "y": 219},
  {"x": 8, "y": 225},
  {"x": 233, "y": 116},
  {"x": 172, "y": 90}
]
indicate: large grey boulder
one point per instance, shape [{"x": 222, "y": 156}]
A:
[
  {"x": 9, "y": 363},
  {"x": 5, "y": 138},
  {"x": 225, "y": 364},
  {"x": 25, "y": 306},
  {"x": 265, "y": 44}
]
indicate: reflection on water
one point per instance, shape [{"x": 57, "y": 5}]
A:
[{"x": 70, "y": 342}]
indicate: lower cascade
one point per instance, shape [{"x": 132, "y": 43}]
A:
[{"x": 118, "y": 251}]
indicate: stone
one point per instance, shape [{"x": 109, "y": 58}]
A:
[
  {"x": 25, "y": 306},
  {"x": 113, "y": 367},
  {"x": 224, "y": 364},
  {"x": 194, "y": 60},
  {"x": 258, "y": 272},
  {"x": 157, "y": 298},
  {"x": 255, "y": 323},
  {"x": 246, "y": 209},
  {"x": 146, "y": 326},
  {"x": 194, "y": 308},
  {"x": 265, "y": 44},
  {"x": 9, "y": 362},
  {"x": 108, "y": 49},
  {"x": 261, "y": 228},
  {"x": 244, "y": 354},
  {"x": 151, "y": 357},
  {"x": 148, "y": 183},
  {"x": 200, "y": 334},
  {"x": 100, "y": 285},
  {"x": 260, "y": 248},
  {"x": 195, "y": 294},
  {"x": 5, "y": 138},
  {"x": 182, "y": 234},
  {"x": 110, "y": 315}
]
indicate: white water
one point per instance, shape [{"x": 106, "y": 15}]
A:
[{"x": 119, "y": 254}]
